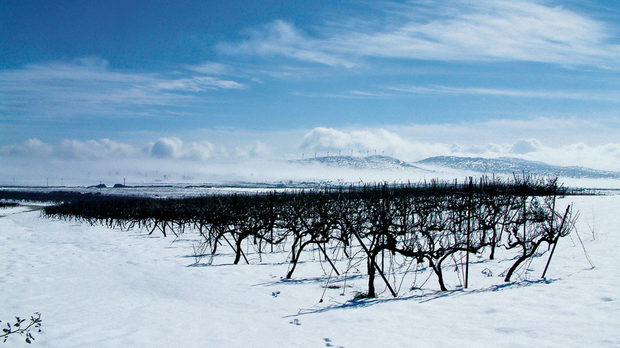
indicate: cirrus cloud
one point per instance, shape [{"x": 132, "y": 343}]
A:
[
  {"x": 485, "y": 30},
  {"x": 90, "y": 87}
]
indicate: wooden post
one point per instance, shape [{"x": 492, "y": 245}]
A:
[
  {"x": 372, "y": 260},
  {"x": 469, "y": 207},
  {"x": 557, "y": 239},
  {"x": 327, "y": 258}
]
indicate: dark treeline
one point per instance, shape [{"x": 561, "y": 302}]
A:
[
  {"x": 8, "y": 204},
  {"x": 42, "y": 196},
  {"x": 427, "y": 223}
]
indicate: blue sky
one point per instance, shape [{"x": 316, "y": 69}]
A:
[{"x": 207, "y": 80}]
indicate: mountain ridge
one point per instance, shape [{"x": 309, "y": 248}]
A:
[
  {"x": 508, "y": 165},
  {"x": 501, "y": 165}
]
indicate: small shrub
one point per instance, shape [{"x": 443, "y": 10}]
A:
[
  {"x": 361, "y": 296},
  {"x": 20, "y": 327}
]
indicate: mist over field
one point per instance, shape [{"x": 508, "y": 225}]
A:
[{"x": 286, "y": 159}]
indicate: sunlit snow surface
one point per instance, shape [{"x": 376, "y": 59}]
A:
[
  {"x": 166, "y": 191},
  {"x": 97, "y": 287}
]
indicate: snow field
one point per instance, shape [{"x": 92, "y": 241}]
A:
[{"x": 97, "y": 287}]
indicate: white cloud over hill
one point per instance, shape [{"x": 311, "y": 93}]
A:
[{"x": 254, "y": 156}]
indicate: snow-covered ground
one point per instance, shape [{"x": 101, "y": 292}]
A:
[{"x": 97, "y": 287}]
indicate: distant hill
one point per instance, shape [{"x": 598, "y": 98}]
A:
[
  {"x": 516, "y": 165},
  {"x": 502, "y": 165},
  {"x": 363, "y": 162}
]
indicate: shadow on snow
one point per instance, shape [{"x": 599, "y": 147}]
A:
[{"x": 422, "y": 298}]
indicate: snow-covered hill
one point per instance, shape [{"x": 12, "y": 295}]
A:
[
  {"x": 357, "y": 162},
  {"x": 508, "y": 165}
]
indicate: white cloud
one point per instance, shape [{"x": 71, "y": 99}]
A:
[
  {"x": 200, "y": 150},
  {"x": 173, "y": 147},
  {"x": 559, "y": 130},
  {"x": 283, "y": 38},
  {"x": 462, "y": 31},
  {"x": 166, "y": 147},
  {"x": 162, "y": 148},
  {"x": 93, "y": 149},
  {"x": 197, "y": 84},
  {"x": 255, "y": 156},
  {"x": 613, "y": 96},
  {"x": 363, "y": 142},
  {"x": 352, "y": 94},
  {"x": 90, "y": 87},
  {"x": 32, "y": 147},
  {"x": 525, "y": 146},
  {"x": 70, "y": 149},
  {"x": 535, "y": 139},
  {"x": 605, "y": 156},
  {"x": 106, "y": 149},
  {"x": 211, "y": 68},
  {"x": 256, "y": 150},
  {"x": 556, "y": 141},
  {"x": 324, "y": 139}
]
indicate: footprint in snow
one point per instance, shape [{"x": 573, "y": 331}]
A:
[{"x": 328, "y": 342}]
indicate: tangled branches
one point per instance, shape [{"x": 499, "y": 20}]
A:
[{"x": 426, "y": 223}]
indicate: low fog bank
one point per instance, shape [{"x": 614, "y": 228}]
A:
[
  {"x": 16, "y": 172},
  {"x": 53, "y": 172}
]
